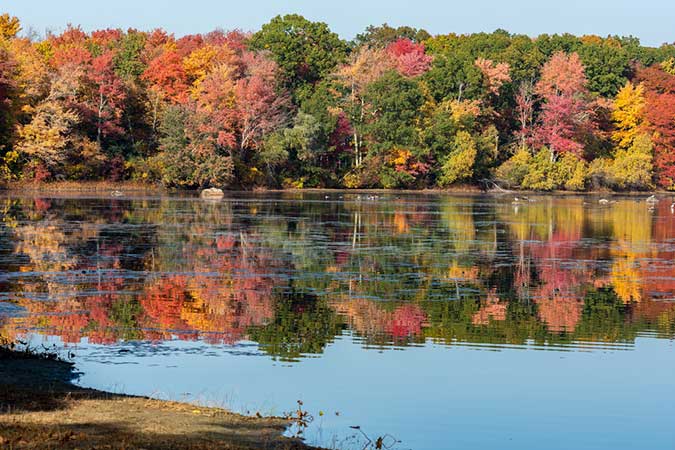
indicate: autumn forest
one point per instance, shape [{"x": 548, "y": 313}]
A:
[{"x": 293, "y": 105}]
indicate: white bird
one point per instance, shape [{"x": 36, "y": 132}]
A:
[{"x": 603, "y": 201}]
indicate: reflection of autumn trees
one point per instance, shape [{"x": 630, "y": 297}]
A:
[
  {"x": 382, "y": 323},
  {"x": 228, "y": 290},
  {"x": 86, "y": 289},
  {"x": 550, "y": 267},
  {"x": 557, "y": 266},
  {"x": 491, "y": 309},
  {"x": 632, "y": 229},
  {"x": 292, "y": 276}
]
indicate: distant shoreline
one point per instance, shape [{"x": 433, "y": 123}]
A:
[{"x": 129, "y": 187}]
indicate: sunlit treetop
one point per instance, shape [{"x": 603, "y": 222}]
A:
[{"x": 9, "y": 26}]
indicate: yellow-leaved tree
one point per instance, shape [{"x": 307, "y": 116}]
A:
[
  {"x": 633, "y": 167},
  {"x": 633, "y": 159},
  {"x": 628, "y": 114},
  {"x": 9, "y": 26},
  {"x": 459, "y": 164}
]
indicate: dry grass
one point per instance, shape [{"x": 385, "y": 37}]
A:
[
  {"x": 41, "y": 409},
  {"x": 131, "y": 187},
  {"x": 82, "y": 187}
]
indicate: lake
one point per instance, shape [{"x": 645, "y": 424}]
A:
[{"x": 440, "y": 321}]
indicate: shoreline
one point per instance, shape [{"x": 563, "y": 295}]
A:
[
  {"x": 40, "y": 407},
  {"x": 128, "y": 187}
]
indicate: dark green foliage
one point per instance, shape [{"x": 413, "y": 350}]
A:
[
  {"x": 394, "y": 104},
  {"x": 305, "y": 51},
  {"x": 454, "y": 77},
  {"x": 607, "y": 67},
  {"x": 383, "y": 35}
]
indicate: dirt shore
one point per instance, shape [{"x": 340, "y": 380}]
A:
[{"x": 40, "y": 408}]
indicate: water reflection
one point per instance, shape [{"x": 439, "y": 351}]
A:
[{"x": 292, "y": 272}]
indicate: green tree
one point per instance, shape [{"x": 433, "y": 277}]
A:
[
  {"x": 174, "y": 160},
  {"x": 305, "y": 51},
  {"x": 129, "y": 64},
  {"x": 383, "y": 35},
  {"x": 303, "y": 144},
  {"x": 454, "y": 76},
  {"x": 393, "y": 105},
  {"x": 607, "y": 66}
]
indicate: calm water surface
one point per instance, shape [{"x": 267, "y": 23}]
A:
[{"x": 447, "y": 322}]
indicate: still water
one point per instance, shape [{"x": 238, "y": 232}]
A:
[{"x": 442, "y": 322}]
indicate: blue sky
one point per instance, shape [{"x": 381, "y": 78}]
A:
[{"x": 650, "y": 20}]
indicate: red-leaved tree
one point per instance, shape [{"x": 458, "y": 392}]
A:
[
  {"x": 106, "y": 100},
  {"x": 409, "y": 57},
  {"x": 660, "y": 115},
  {"x": 566, "y": 119}
]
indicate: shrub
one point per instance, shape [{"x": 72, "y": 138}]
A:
[
  {"x": 571, "y": 173},
  {"x": 459, "y": 164},
  {"x": 515, "y": 169},
  {"x": 600, "y": 173},
  {"x": 632, "y": 168},
  {"x": 541, "y": 172}
]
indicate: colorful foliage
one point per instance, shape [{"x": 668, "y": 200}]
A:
[{"x": 294, "y": 105}]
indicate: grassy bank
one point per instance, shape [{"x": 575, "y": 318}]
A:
[
  {"x": 40, "y": 408},
  {"x": 98, "y": 187}
]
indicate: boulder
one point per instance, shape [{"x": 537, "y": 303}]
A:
[{"x": 212, "y": 193}]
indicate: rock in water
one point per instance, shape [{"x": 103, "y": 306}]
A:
[{"x": 212, "y": 193}]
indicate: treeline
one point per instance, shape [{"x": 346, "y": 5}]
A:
[{"x": 293, "y": 105}]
